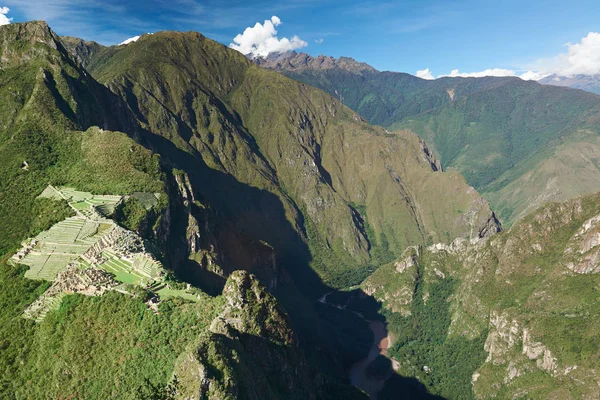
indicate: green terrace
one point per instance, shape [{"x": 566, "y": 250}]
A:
[
  {"x": 68, "y": 241},
  {"x": 85, "y": 203},
  {"x": 50, "y": 251}
]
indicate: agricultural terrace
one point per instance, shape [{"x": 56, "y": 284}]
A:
[
  {"x": 86, "y": 204},
  {"x": 50, "y": 251},
  {"x": 91, "y": 239}
]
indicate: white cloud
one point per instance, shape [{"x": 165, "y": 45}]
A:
[
  {"x": 526, "y": 76},
  {"x": 533, "y": 75},
  {"x": 4, "y": 20},
  {"x": 424, "y": 74},
  {"x": 581, "y": 58},
  {"x": 261, "y": 40},
  {"x": 487, "y": 72},
  {"x": 319, "y": 41},
  {"x": 131, "y": 39}
]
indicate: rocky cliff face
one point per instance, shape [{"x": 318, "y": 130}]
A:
[
  {"x": 82, "y": 50},
  {"x": 249, "y": 352},
  {"x": 530, "y": 292},
  {"x": 292, "y": 61}
]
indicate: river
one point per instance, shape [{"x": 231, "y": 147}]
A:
[{"x": 357, "y": 373}]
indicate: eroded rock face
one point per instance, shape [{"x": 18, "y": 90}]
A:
[
  {"x": 250, "y": 350},
  {"x": 583, "y": 253},
  {"x": 398, "y": 297},
  {"x": 504, "y": 335}
]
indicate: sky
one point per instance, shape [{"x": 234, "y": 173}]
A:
[{"x": 428, "y": 38}]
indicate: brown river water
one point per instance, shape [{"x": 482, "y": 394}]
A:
[{"x": 358, "y": 371}]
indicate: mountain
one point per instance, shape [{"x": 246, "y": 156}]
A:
[
  {"x": 82, "y": 51},
  {"x": 335, "y": 176},
  {"x": 513, "y": 315},
  {"x": 526, "y": 130},
  {"x": 181, "y": 216},
  {"x": 589, "y": 83}
]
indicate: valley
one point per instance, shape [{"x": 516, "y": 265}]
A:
[
  {"x": 509, "y": 138},
  {"x": 202, "y": 225}
]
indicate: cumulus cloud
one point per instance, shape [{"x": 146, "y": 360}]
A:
[
  {"x": 526, "y": 76},
  {"x": 131, "y": 39},
  {"x": 4, "y": 20},
  {"x": 581, "y": 58},
  {"x": 424, "y": 74},
  {"x": 533, "y": 75},
  {"x": 487, "y": 72},
  {"x": 261, "y": 40}
]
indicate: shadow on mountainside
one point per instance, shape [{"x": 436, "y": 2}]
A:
[
  {"x": 340, "y": 327},
  {"x": 334, "y": 336}
]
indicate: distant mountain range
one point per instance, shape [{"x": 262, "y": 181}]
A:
[
  {"x": 589, "y": 83},
  {"x": 520, "y": 143}
]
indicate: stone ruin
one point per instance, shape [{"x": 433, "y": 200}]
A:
[
  {"x": 27, "y": 247},
  {"x": 93, "y": 255},
  {"x": 90, "y": 282}
]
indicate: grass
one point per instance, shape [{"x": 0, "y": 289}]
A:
[
  {"x": 122, "y": 270},
  {"x": 64, "y": 242},
  {"x": 167, "y": 293}
]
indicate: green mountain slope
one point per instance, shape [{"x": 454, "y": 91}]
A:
[
  {"x": 336, "y": 177},
  {"x": 246, "y": 170},
  {"x": 517, "y": 310},
  {"x": 498, "y": 132},
  {"x": 50, "y": 134}
]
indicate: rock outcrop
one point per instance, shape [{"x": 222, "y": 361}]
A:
[
  {"x": 522, "y": 294},
  {"x": 250, "y": 351}
]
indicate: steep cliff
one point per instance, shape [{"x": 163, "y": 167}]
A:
[
  {"x": 517, "y": 309},
  {"x": 251, "y": 352}
]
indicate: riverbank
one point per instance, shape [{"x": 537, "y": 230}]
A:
[{"x": 358, "y": 371}]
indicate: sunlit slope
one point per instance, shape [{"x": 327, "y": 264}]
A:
[
  {"x": 493, "y": 130},
  {"x": 296, "y": 142}
]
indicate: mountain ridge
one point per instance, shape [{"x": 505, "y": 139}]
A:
[
  {"x": 462, "y": 118},
  {"x": 252, "y": 171},
  {"x": 589, "y": 83}
]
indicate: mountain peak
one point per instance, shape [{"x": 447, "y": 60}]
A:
[
  {"x": 32, "y": 31},
  {"x": 28, "y": 35},
  {"x": 293, "y": 61}
]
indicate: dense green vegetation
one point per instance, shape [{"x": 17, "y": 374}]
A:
[
  {"x": 514, "y": 141},
  {"x": 16, "y": 332},
  {"x": 444, "y": 364},
  {"x": 116, "y": 340}
]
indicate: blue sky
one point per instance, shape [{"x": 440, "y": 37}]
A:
[{"x": 403, "y": 36}]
